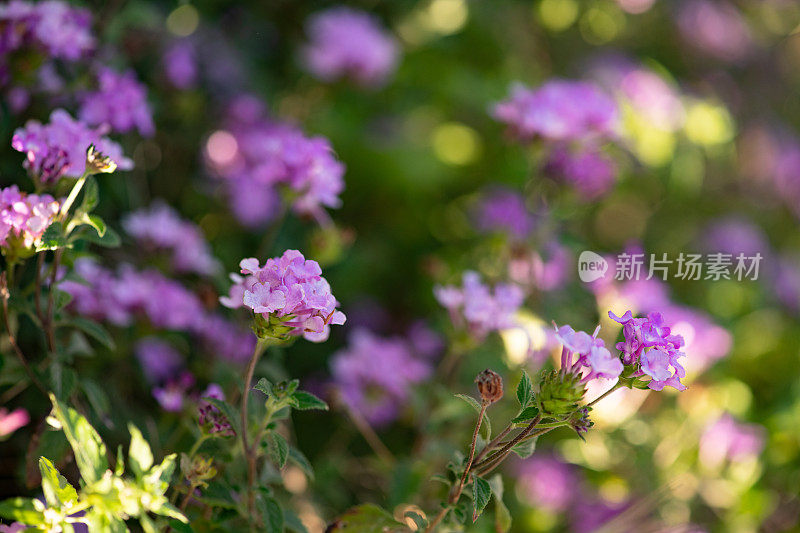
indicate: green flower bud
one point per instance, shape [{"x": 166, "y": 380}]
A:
[
  {"x": 273, "y": 327},
  {"x": 560, "y": 394}
]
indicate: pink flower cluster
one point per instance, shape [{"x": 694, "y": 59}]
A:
[
  {"x": 650, "y": 345},
  {"x": 588, "y": 171},
  {"x": 374, "y": 375},
  {"x": 58, "y": 29},
  {"x": 259, "y": 159},
  {"x": 349, "y": 43},
  {"x": 122, "y": 296},
  {"x": 727, "y": 439},
  {"x": 24, "y": 217},
  {"x": 593, "y": 361},
  {"x": 120, "y": 102},
  {"x": 290, "y": 288},
  {"x": 161, "y": 228},
  {"x": 58, "y": 148},
  {"x": 478, "y": 308}
]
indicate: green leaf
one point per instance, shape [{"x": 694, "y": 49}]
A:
[
  {"x": 305, "y": 401},
  {"x": 163, "y": 472},
  {"x": 180, "y": 527},
  {"x": 366, "y": 518},
  {"x": 271, "y": 514},
  {"x": 228, "y": 411},
  {"x": 91, "y": 195},
  {"x": 89, "y": 449},
  {"x": 293, "y": 522},
  {"x": 278, "y": 448},
  {"x": 502, "y": 517},
  {"x": 110, "y": 239},
  {"x": 486, "y": 426},
  {"x": 140, "y": 456},
  {"x": 300, "y": 460},
  {"x": 57, "y": 490},
  {"x": 170, "y": 511},
  {"x": 97, "y": 397},
  {"x": 53, "y": 237},
  {"x": 529, "y": 413},
  {"x": 97, "y": 223},
  {"x": 21, "y": 510},
  {"x": 61, "y": 299},
  {"x": 264, "y": 386},
  {"x": 481, "y": 494},
  {"x": 525, "y": 448},
  {"x": 525, "y": 390},
  {"x": 93, "y": 329}
]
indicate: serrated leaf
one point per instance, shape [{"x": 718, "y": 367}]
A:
[
  {"x": 228, "y": 411},
  {"x": 300, "y": 460},
  {"x": 264, "y": 386},
  {"x": 57, "y": 490},
  {"x": 481, "y": 494},
  {"x": 110, "y": 239},
  {"x": 93, "y": 329},
  {"x": 529, "y": 413},
  {"x": 89, "y": 449},
  {"x": 52, "y": 238},
  {"x": 278, "y": 448},
  {"x": 305, "y": 401},
  {"x": 525, "y": 390},
  {"x": 525, "y": 448},
  {"x": 21, "y": 510},
  {"x": 486, "y": 426},
  {"x": 140, "y": 456},
  {"x": 271, "y": 514}
]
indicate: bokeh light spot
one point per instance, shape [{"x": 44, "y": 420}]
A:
[
  {"x": 708, "y": 124},
  {"x": 222, "y": 148},
  {"x": 455, "y": 144},
  {"x": 183, "y": 20},
  {"x": 558, "y": 15}
]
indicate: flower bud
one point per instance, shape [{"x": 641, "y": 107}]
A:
[
  {"x": 98, "y": 163},
  {"x": 580, "y": 421},
  {"x": 490, "y": 386},
  {"x": 560, "y": 394}
]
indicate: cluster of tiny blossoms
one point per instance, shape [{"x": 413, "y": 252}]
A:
[
  {"x": 120, "y": 297},
  {"x": 259, "y": 159},
  {"x": 289, "y": 293},
  {"x": 345, "y": 43},
  {"x": 478, "y": 308},
  {"x": 572, "y": 119},
  {"x": 650, "y": 346},
  {"x": 58, "y": 148},
  {"x": 504, "y": 211},
  {"x": 373, "y": 375},
  {"x": 120, "y": 102},
  {"x": 24, "y": 217},
  {"x": 161, "y": 228},
  {"x": 593, "y": 358}
]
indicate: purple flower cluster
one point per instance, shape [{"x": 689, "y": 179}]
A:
[
  {"x": 727, "y": 439},
  {"x": 180, "y": 64},
  {"x": 374, "y": 375},
  {"x": 559, "y": 110},
  {"x": 504, "y": 211},
  {"x": 120, "y": 297},
  {"x": 259, "y": 159},
  {"x": 161, "y": 228},
  {"x": 120, "y": 101},
  {"x": 210, "y": 418},
  {"x": 348, "y": 43},
  {"x": 24, "y": 217},
  {"x": 716, "y": 28},
  {"x": 478, "y": 308},
  {"x": 587, "y": 170},
  {"x": 56, "y": 28},
  {"x": 593, "y": 358},
  {"x": 650, "y": 346},
  {"x": 290, "y": 288},
  {"x": 58, "y": 148}
]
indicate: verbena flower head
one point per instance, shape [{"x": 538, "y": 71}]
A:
[
  {"x": 120, "y": 102},
  {"x": 586, "y": 355},
  {"x": 161, "y": 228},
  {"x": 651, "y": 349},
  {"x": 289, "y": 294},
  {"x": 211, "y": 419},
  {"x": 477, "y": 308},
  {"x": 504, "y": 211},
  {"x": 559, "y": 110},
  {"x": 727, "y": 439},
  {"x": 56, "y": 28},
  {"x": 374, "y": 375},
  {"x": 24, "y": 218},
  {"x": 716, "y": 28},
  {"x": 590, "y": 172},
  {"x": 260, "y": 160},
  {"x": 59, "y": 147},
  {"x": 348, "y": 43}
]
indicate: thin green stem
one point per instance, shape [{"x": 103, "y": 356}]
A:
[
  {"x": 246, "y": 449},
  {"x": 606, "y": 393},
  {"x": 73, "y": 194}
]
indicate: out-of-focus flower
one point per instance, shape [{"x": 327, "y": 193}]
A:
[
  {"x": 172, "y": 395},
  {"x": 716, "y": 28},
  {"x": 58, "y": 29},
  {"x": 289, "y": 294},
  {"x": 503, "y": 210},
  {"x": 650, "y": 346},
  {"x": 12, "y": 421},
  {"x": 734, "y": 235},
  {"x": 160, "y": 362},
  {"x": 348, "y": 43},
  {"x": 546, "y": 482},
  {"x": 590, "y": 172},
  {"x": 593, "y": 358},
  {"x": 210, "y": 418},
  {"x": 423, "y": 340},
  {"x": 373, "y": 375},
  {"x": 786, "y": 281},
  {"x": 59, "y": 147},
  {"x": 559, "y": 110},
  {"x": 24, "y": 217},
  {"x": 161, "y": 227},
  {"x": 180, "y": 64},
  {"x": 477, "y": 308},
  {"x": 726, "y": 439},
  {"x": 259, "y": 159},
  {"x": 589, "y": 513},
  {"x": 15, "y": 527},
  {"x": 120, "y": 101}
]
